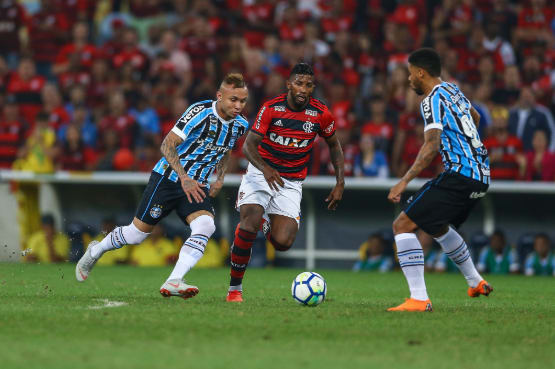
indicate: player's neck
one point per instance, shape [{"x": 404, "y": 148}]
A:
[
  {"x": 221, "y": 112},
  {"x": 430, "y": 84}
]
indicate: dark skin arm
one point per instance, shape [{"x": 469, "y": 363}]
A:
[
  {"x": 475, "y": 117},
  {"x": 221, "y": 169},
  {"x": 338, "y": 162},
  {"x": 250, "y": 149},
  {"x": 191, "y": 187},
  {"x": 427, "y": 153}
]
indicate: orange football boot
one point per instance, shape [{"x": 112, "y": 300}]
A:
[
  {"x": 413, "y": 305},
  {"x": 483, "y": 288},
  {"x": 234, "y": 296}
]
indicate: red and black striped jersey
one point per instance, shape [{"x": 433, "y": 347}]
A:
[{"x": 289, "y": 134}]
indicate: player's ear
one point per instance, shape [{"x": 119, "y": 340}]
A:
[{"x": 219, "y": 95}]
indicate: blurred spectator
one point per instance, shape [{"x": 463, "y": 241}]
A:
[
  {"x": 498, "y": 257},
  {"x": 370, "y": 162},
  {"x": 372, "y": 257},
  {"x": 47, "y": 32},
  {"x": 12, "y": 133},
  {"x": 541, "y": 261},
  {"x": 79, "y": 52},
  {"x": 81, "y": 120},
  {"x": 48, "y": 245},
  {"x": 39, "y": 151},
  {"x": 119, "y": 120},
  {"x": 26, "y": 85},
  {"x": 13, "y": 19},
  {"x": 503, "y": 148},
  {"x": 108, "y": 147},
  {"x": 528, "y": 117},
  {"x": 412, "y": 147},
  {"x": 147, "y": 120},
  {"x": 539, "y": 162},
  {"x": 534, "y": 22},
  {"x": 119, "y": 256},
  {"x": 156, "y": 250},
  {"x": 379, "y": 126},
  {"x": 52, "y": 104},
  {"x": 500, "y": 49},
  {"x": 508, "y": 93},
  {"x": 131, "y": 53},
  {"x": 73, "y": 154}
]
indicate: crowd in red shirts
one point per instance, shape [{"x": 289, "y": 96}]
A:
[{"x": 95, "y": 85}]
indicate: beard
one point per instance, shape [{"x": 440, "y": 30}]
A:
[{"x": 417, "y": 88}]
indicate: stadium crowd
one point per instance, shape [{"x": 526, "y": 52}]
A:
[{"x": 95, "y": 85}]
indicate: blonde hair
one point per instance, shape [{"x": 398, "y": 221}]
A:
[{"x": 235, "y": 80}]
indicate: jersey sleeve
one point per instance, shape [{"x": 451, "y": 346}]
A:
[
  {"x": 262, "y": 121},
  {"x": 432, "y": 112},
  {"x": 327, "y": 126},
  {"x": 189, "y": 120}
]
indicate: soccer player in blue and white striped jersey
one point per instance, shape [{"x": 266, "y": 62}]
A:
[
  {"x": 199, "y": 143},
  {"x": 451, "y": 128}
]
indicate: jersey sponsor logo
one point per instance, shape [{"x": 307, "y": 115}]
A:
[
  {"x": 212, "y": 146},
  {"x": 288, "y": 141},
  {"x": 155, "y": 211},
  {"x": 312, "y": 113},
  {"x": 278, "y": 123},
  {"x": 307, "y": 127},
  {"x": 192, "y": 113},
  {"x": 279, "y": 108},
  {"x": 259, "y": 118},
  {"x": 426, "y": 107},
  {"x": 477, "y": 195},
  {"x": 329, "y": 128}
]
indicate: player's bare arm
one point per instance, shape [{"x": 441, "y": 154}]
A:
[
  {"x": 475, "y": 117},
  {"x": 338, "y": 162},
  {"x": 427, "y": 153},
  {"x": 250, "y": 149},
  {"x": 191, "y": 187},
  {"x": 221, "y": 169}
]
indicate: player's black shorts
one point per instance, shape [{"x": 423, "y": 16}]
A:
[
  {"x": 161, "y": 196},
  {"x": 446, "y": 199}
]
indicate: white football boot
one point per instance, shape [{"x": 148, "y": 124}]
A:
[
  {"x": 176, "y": 287},
  {"x": 85, "y": 264}
]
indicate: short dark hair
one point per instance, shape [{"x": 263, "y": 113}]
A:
[
  {"x": 427, "y": 59},
  {"x": 545, "y": 236},
  {"x": 236, "y": 80},
  {"x": 302, "y": 68}
]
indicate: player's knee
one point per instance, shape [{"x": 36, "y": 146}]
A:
[
  {"x": 204, "y": 225},
  {"x": 402, "y": 225},
  {"x": 130, "y": 234},
  {"x": 282, "y": 242}
]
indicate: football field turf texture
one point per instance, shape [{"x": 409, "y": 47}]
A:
[{"x": 118, "y": 319}]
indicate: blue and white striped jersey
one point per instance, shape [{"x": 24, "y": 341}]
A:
[
  {"x": 462, "y": 151},
  {"x": 206, "y": 138}
]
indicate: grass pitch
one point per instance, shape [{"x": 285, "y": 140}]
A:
[{"x": 48, "y": 320}]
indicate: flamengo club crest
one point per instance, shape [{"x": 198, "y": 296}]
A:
[{"x": 307, "y": 126}]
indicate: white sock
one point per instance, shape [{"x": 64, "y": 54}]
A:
[
  {"x": 119, "y": 237},
  {"x": 192, "y": 250},
  {"x": 455, "y": 248},
  {"x": 411, "y": 259},
  {"x": 236, "y": 288}
]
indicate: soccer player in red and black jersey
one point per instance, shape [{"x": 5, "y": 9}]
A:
[{"x": 278, "y": 148}]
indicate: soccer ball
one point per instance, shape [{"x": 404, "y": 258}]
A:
[{"x": 309, "y": 288}]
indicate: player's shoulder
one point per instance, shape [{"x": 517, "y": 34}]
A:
[
  {"x": 242, "y": 121},
  {"x": 317, "y": 105},
  {"x": 198, "y": 107},
  {"x": 278, "y": 101}
]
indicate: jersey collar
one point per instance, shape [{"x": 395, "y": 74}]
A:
[{"x": 218, "y": 116}]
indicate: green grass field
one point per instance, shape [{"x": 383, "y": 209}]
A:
[{"x": 48, "y": 320}]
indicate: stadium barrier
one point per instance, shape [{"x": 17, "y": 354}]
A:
[{"x": 325, "y": 238}]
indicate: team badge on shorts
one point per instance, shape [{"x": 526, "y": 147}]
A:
[{"x": 155, "y": 211}]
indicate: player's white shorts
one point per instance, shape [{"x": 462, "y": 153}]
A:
[{"x": 255, "y": 190}]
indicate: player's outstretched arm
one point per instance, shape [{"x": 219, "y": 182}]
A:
[
  {"x": 250, "y": 149},
  {"x": 338, "y": 162},
  {"x": 427, "y": 153},
  {"x": 221, "y": 169},
  {"x": 475, "y": 116},
  {"x": 190, "y": 187}
]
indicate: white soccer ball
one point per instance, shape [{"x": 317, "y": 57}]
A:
[{"x": 309, "y": 288}]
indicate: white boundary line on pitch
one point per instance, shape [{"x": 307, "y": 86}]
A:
[{"x": 107, "y": 304}]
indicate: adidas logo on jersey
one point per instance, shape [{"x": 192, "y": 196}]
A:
[
  {"x": 278, "y": 123},
  {"x": 288, "y": 141}
]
